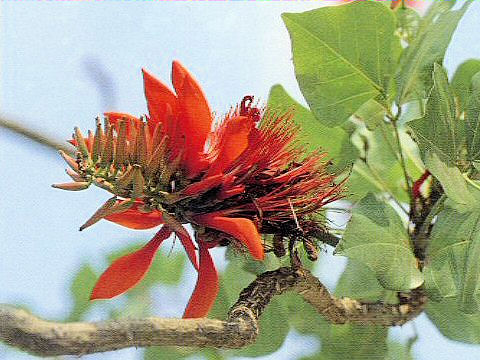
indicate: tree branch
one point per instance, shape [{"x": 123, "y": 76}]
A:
[
  {"x": 33, "y": 135},
  {"x": 27, "y": 332}
]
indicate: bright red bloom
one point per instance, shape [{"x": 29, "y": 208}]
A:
[{"x": 231, "y": 182}]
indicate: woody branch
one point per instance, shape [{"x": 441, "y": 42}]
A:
[{"x": 27, "y": 332}]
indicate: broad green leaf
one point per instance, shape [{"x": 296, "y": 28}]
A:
[
  {"x": 358, "y": 281},
  {"x": 377, "y": 237},
  {"x": 412, "y": 111},
  {"x": 472, "y": 117},
  {"x": 439, "y": 131},
  {"x": 408, "y": 21},
  {"x": 179, "y": 352},
  {"x": 271, "y": 262},
  {"x": 314, "y": 134},
  {"x": 450, "y": 177},
  {"x": 342, "y": 56},
  {"x": 453, "y": 269},
  {"x": 304, "y": 318},
  {"x": 428, "y": 47},
  {"x": 353, "y": 341},
  {"x": 462, "y": 80},
  {"x": 371, "y": 113},
  {"x": 80, "y": 290},
  {"x": 398, "y": 351},
  {"x": 362, "y": 181},
  {"x": 168, "y": 353},
  {"x": 382, "y": 172},
  {"x": 436, "y": 9},
  {"x": 453, "y": 323}
]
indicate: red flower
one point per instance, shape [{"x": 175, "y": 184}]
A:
[{"x": 232, "y": 181}]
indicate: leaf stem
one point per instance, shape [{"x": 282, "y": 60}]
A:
[
  {"x": 385, "y": 188},
  {"x": 471, "y": 182},
  {"x": 403, "y": 163}
]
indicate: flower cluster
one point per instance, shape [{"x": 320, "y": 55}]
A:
[{"x": 232, "y": 180}]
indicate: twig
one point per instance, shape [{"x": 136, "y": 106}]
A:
[
  {"x": 402, "y": 161},
  {"x": 421, "y": 238},
  {"x": 34, "y": 135},
  {"x": 27, "y": 332}
]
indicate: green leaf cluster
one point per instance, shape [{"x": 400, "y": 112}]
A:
[
  {"x": 374, "y": 78},
  {"x": 377, "y": 237}
]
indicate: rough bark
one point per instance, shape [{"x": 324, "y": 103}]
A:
[{"x": 29, "y": 333}]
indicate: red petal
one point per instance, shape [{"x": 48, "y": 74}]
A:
[
  {"x": 240, "y": 228},
  {"x": 135, "y": 219},
  {"x": 234, "y": 140},
  {"x": 185, "y": 238},
  {"x": 203, "y": 185},
  {"x": 236, "y": 190},
  {"x": 158, "y": 95},
  {"x": 206, "y": 289},
  {"x": 189, "y": 247},
  {"x": 196, "y": 116},
  {"x": 127, "y": 271},
  {"x": 114, "y": 117}
]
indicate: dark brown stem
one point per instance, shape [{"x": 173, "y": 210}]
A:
[
  {"x": 27, "y": 332},
  {"x": 337, "y": 310}
]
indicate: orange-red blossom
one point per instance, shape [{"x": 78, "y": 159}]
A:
[{"x": 231, "y": 181}]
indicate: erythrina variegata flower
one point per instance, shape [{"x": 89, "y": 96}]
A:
[{"x": 232, "y": 181}]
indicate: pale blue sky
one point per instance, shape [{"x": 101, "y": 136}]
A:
[{"x": 49, "y": 51}]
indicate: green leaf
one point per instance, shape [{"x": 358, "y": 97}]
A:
[
  {"x": 304, "y": 318},
  {"x": 408, "y": 22},
  {"x": 450, "y": 177},
  {"x": 335, "y": 141},
  {"x": 342, "y": 56},
  {"x": 179, "y": 352},
  {"x": 384, "y": 173},
  {"x": 439, "y": 131},
  {"x": 398, "y": 351},
  {"x": 377, "y": 237},
  {"x": 412, "y": 111},
  {"x": 80, "y": 290},
  {"x": 167, "y": 353},
  {"x": 462, "y": 80},
  {"x": 428, "y": 47},
  {"x": 453, "y": 269},
  {"x": 453, "y": 323},
  {"x": 472, "y": 117},
  {"x": 353, "y": 341},
  {"x": 358, "y": 281},
  {"x": 371, "y": 113}
]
